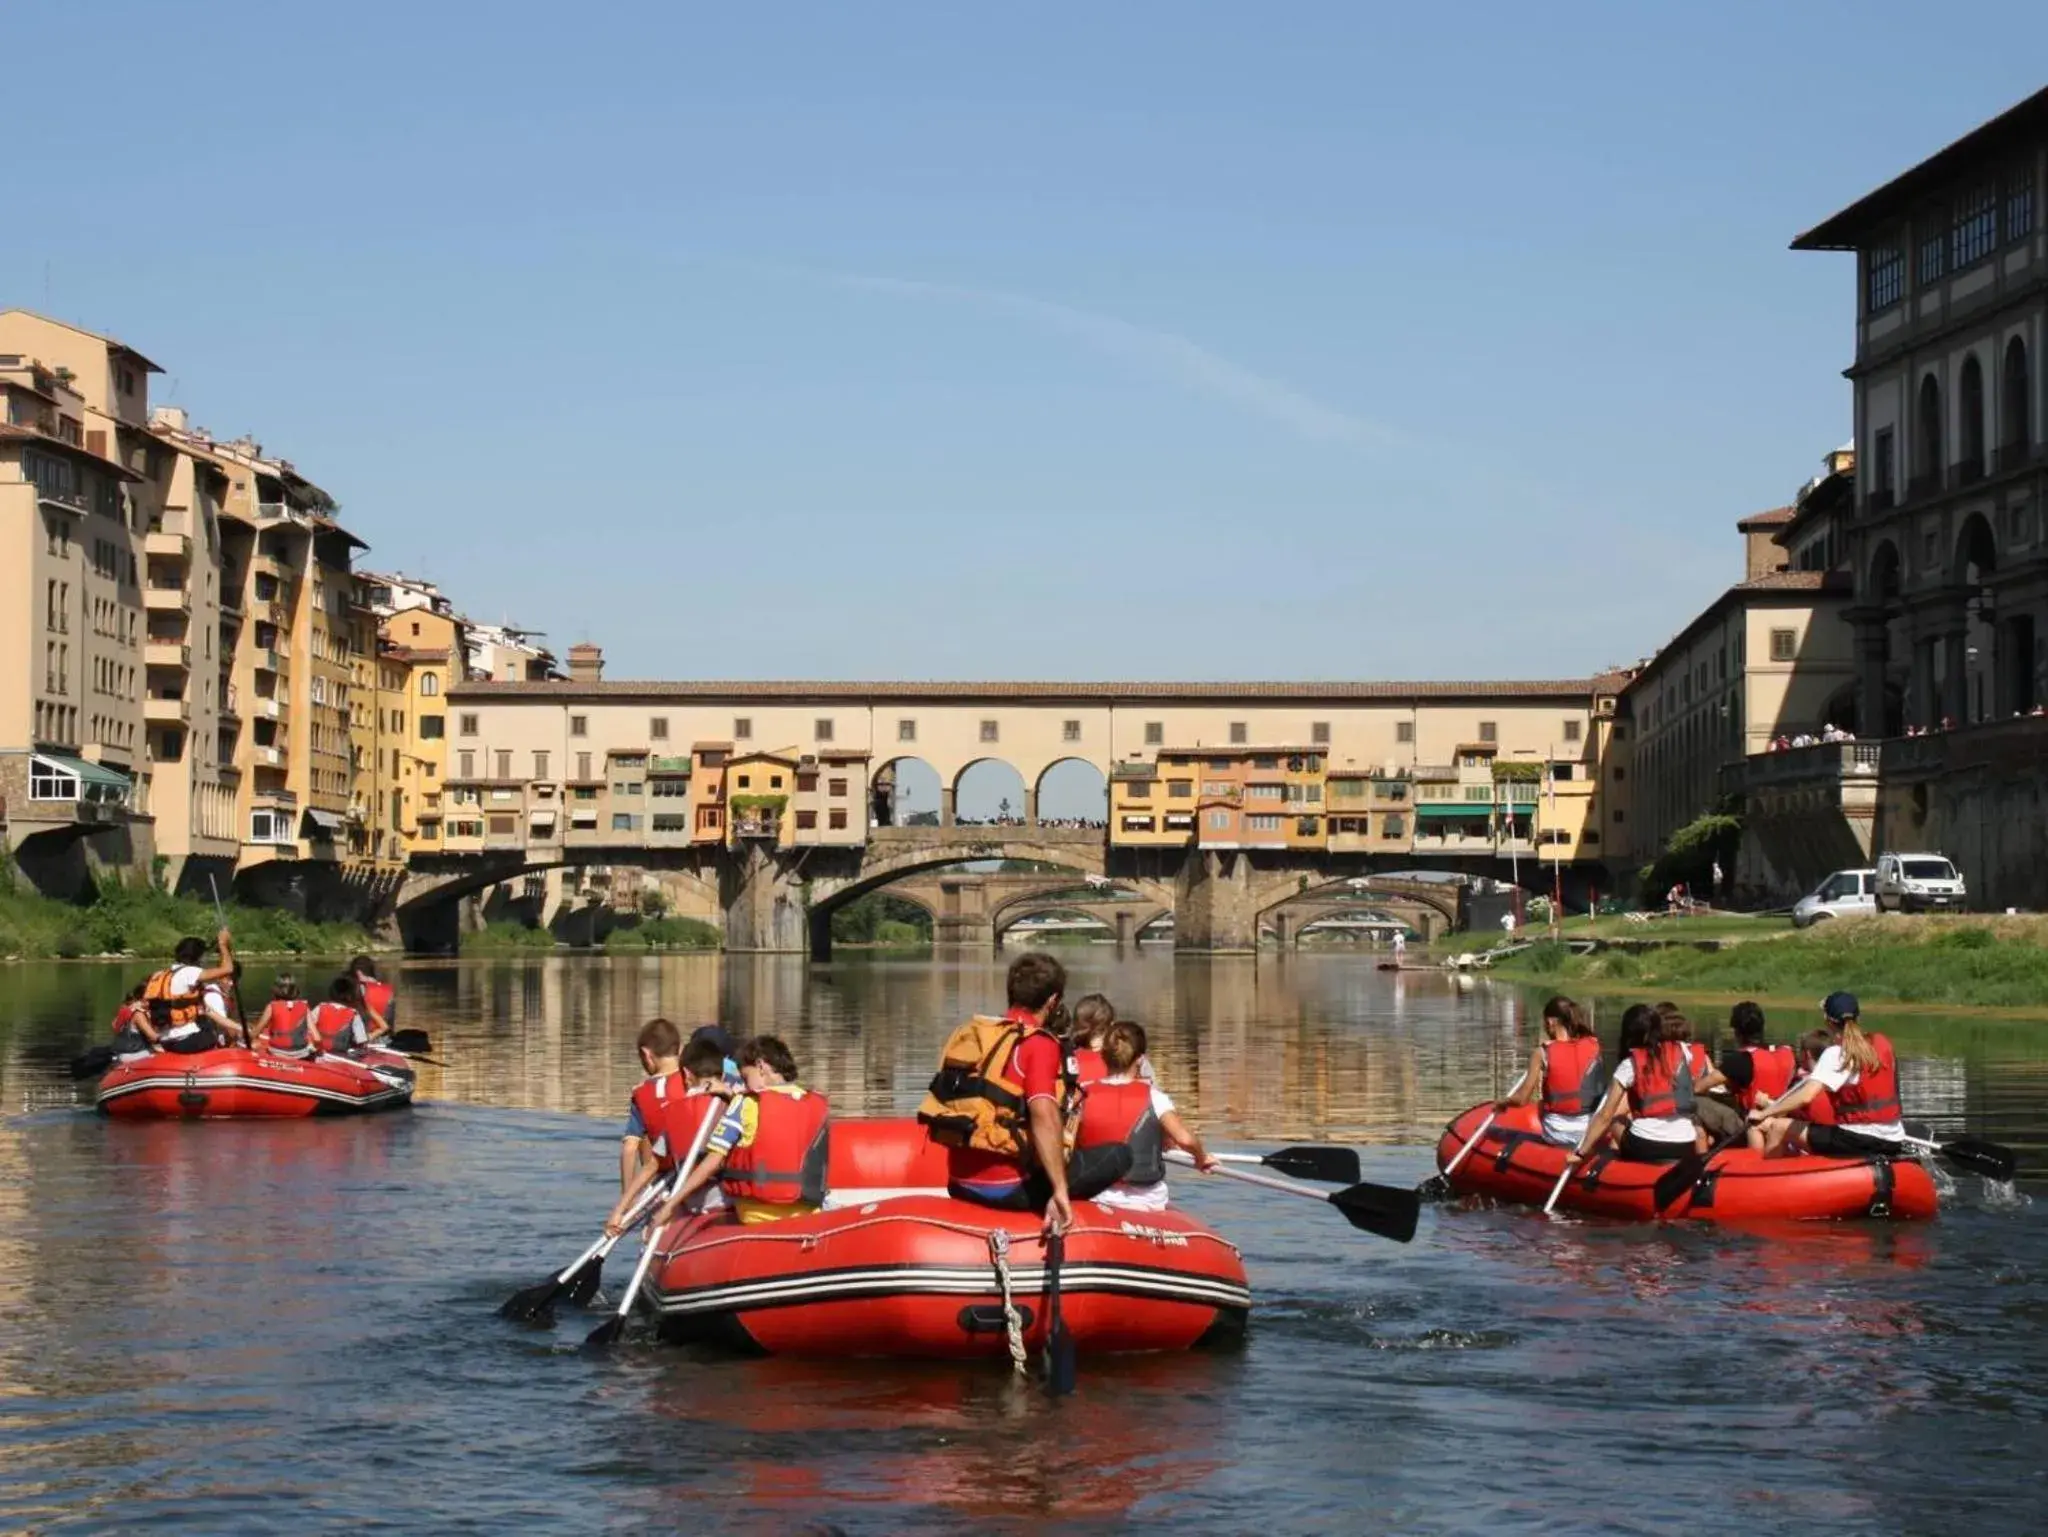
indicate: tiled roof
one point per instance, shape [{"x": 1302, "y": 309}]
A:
[
  {"x": 947, "y": 692},
  {"x": 1774, "y": 518},
  {"x": 1795, "y": 581}
]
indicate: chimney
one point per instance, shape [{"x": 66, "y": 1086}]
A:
[
  {"x": 172, "y": 417},
  {"x": 586, "y": 663}
]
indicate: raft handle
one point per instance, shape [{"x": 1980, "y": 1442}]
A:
[{"x": 987, "y": 1317}]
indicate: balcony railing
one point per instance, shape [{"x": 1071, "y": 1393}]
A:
[
  {"x": 166, "y": 599},
  {"x": 166, "y": 653},
  {"x": 1793, "y": 765},
  {"x": 171, "y": 710}
]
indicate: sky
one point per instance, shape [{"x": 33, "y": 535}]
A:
[{"x": 1164, "y": 341}]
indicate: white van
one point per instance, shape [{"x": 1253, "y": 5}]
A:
[
  {"x": 1919, "y": 883},
  {"x": 1845, "y": 894}
]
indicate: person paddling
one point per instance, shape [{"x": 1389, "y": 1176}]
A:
[
  {"x": 1001, "y": 1100},
  {"x": 175, "y": 1001},
  {"x": 1565, "y": 1074},
  {"x": 378, "y": 996},
  {"x": 338, "y": 1025},
  {"x": 771, "y": 1149},
  {"x": 682, "y": 1088},
  {"x": 1859, "y": 1075},
  {"x": 1755, "y": 1069},
  {"x": 1718, "y": 1120},
  {"x": 1122, "y": 1108},
  {"x": 1654, "y": 1082},
  {"x": 284, "y": 1028}
]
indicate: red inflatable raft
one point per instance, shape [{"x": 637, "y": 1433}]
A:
[
  {"x": 897, "y": 1268},
  {"x": 1514, "y": 1163},
  {"x": 233, "y": 1083}
]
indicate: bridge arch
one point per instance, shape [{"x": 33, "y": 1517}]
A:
[
  {"x": 991, "y": 792},
  {"x": 903, "y": 788},
  {"x": 1441, "y": 896},
  {"x": 1072, "y": 791}
]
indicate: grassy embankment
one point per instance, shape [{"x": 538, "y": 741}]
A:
[
  {"x": 507, "y": 938},
  {"x": 1964, "y": 962},
  {"x": 144, "y": 921}
]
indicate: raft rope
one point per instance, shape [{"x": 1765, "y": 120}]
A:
[{"x": 1013, "y": 1323}]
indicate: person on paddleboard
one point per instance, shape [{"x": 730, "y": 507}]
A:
[
  {"x": 1002, "y": 1101},
  {"x": 1124, "y": 1107},
  {"x": 1565, "y": 1074},
  {"x": 1859, "y": 1075}
]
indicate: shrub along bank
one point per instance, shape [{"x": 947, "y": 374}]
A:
[
  {"x": 148, "y": 922},
  {"x": 1969, "y": 962}
]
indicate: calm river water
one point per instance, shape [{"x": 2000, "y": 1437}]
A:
[{"x": 255, "y": 1328}]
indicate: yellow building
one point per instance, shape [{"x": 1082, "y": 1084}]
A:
[
  {"x": 760, "y": 797},
  {"x": 421, "y": 655}
]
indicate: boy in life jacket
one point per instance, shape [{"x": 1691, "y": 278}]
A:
[
  {"x": 175, "y": 1001},
  {"x": 1122, "y": 1108},
  {"x": 1816, "y": 1110},
  {"x": 338, "y": 1025},
  {"x": 284, "y": 1028},
  {"x": 1755, "y": 1070},
  {"x": 769, "y": 1151},
  {"x": 1565, "y": 1074},
  {"x": 1001, "y": 1100},
  {"x": 133, "y": 1037},
  {"x": 685, "y": 1085},
  {"x": 1859, "y": 1077},
  {"x": 376, "y": 994}
]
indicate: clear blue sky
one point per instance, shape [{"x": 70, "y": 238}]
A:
[{"x": 1146, "y": 340}]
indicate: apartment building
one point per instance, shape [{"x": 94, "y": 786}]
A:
[
  {"x": 421, "y": 655},
  {"x": 1948, "y": 549}
]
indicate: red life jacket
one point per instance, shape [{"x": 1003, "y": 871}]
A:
[
  {"x": 1088, "y": 1065},
  {"x": 1122, "y": 1112},
  {"x": 287, "y": 1030},
  {"x": 670, "y": 1116},
  {"x": 1874, "y": 1097},
  {"x": 785, "y": 1163},
  {"x": 377, "y": 995},
  {"x": 1696, "y": 1056},
  {"x": 1818, "y": 1111},
  {"x": 124, "y": 1019},
  {"x": 334, "y": 1026},
  {"x": 1770, "y": 1074},
  {"x": 1574, "y": 1078},
  {"x": 1662, "y": 1090}
]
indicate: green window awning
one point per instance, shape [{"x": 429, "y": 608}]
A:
[
  {"x": 1479, "y": 809},
  {"x": 95, "y": 781}
]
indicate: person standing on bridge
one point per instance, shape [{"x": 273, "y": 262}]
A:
[{"x": 1003, "y": 1099}]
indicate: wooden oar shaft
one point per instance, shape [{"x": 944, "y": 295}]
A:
[
  {"x": 683, "y": 1166},
  {"x": 1477, "y": 1136}
]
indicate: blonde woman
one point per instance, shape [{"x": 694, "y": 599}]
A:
[{"x": 1859, "y": 1074}]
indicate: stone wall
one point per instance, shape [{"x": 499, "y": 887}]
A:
[{"x": 1980, "y": 796}]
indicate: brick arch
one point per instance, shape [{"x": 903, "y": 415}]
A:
[
  {"x": 1144, "y": 914},
  {"x": 1387, "y": 888}
]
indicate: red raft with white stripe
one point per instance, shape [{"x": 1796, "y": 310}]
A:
[
  {"x": 1514, "y": 1163},
  {"x": 233, "y": 1083},
  {"x": 895, "y": 1267}
]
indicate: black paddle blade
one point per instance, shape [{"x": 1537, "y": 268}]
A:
[
  {"x": 1326, "y": 1165},
  {"x": 1061, "y": 1367},
  {"x": 606, "y": 1333},
  {"x": 414, "y": 1041},
  {"x": 1684, "y": 1174},
  {"x": 1382, "y": 1209},
  {"x": 90, "y": 1064},
  {"x": 583, "y": 1285},
  {"x": 530, "y": 1304},
  {"x": 1991, "y": 1159}
]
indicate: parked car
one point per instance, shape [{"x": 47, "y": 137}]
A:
[
  {"x": 1845, "y": 894},
  {"x": 1918, "y": 883}
]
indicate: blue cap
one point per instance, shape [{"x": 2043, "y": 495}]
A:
[{"x": 1839, "y": 1006}]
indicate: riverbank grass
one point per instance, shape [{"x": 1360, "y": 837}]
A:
[
  {"x": 1988, "y": 962},
  {"x": 147, "y": 922}
]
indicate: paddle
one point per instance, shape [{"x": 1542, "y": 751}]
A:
[
  {"x": 579, "y": 1280},
  {"x": 1381, "y": 1209},
  {"x": 608, "y": 1332},
  {"x": 412, "y": 1043},
  {"x": 221, "y": 912},
  {"x": 1563, "y": 1177},
  {"x": 1440, "y": 1181},
  {"x": 1061, "y": 1367},
  {"x": 1993, "y": 1160},
  {"x": 93, "y": 1062},
  {"x": 1684, "y": 1174},
  {"x": 1331, "y": 1165}
]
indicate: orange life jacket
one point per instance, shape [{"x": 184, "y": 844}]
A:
[
  {"x": 1662, "y": 1090},
  {"x": 169, "y": 1010},
  {"x": 1574, "y": 1078},
  {"x": 1874, "y": 1097},
  {"x": 1122, "y": 1112},
  {"x": 334, "y": 1026},
  {"x": 976, "y": 1099},
  {"x": 288, "y": 1030},
  {"x": 670, "y": 1116},
  {"x": 785, "y": 1163},
  {"x": 1770, "y": 1074},
  {"x": 377, "y": 995}
]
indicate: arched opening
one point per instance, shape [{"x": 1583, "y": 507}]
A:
[
  {"x": 904, "y": 792},
  {"x": 1038, "y": 926},
  {"x": 2016, "y": 407},
  {"x": 1970, "y": 420},
  {"x": 1073, "y": 793},
  {"x": 1976, "y": 561},
  {"x": 1927, "y": 438},
  {"x": 1883, "y": 582},
  {"x": 990, "y": 793}
]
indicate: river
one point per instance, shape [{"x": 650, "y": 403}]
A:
[{"x": 238, "y": 1327}]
